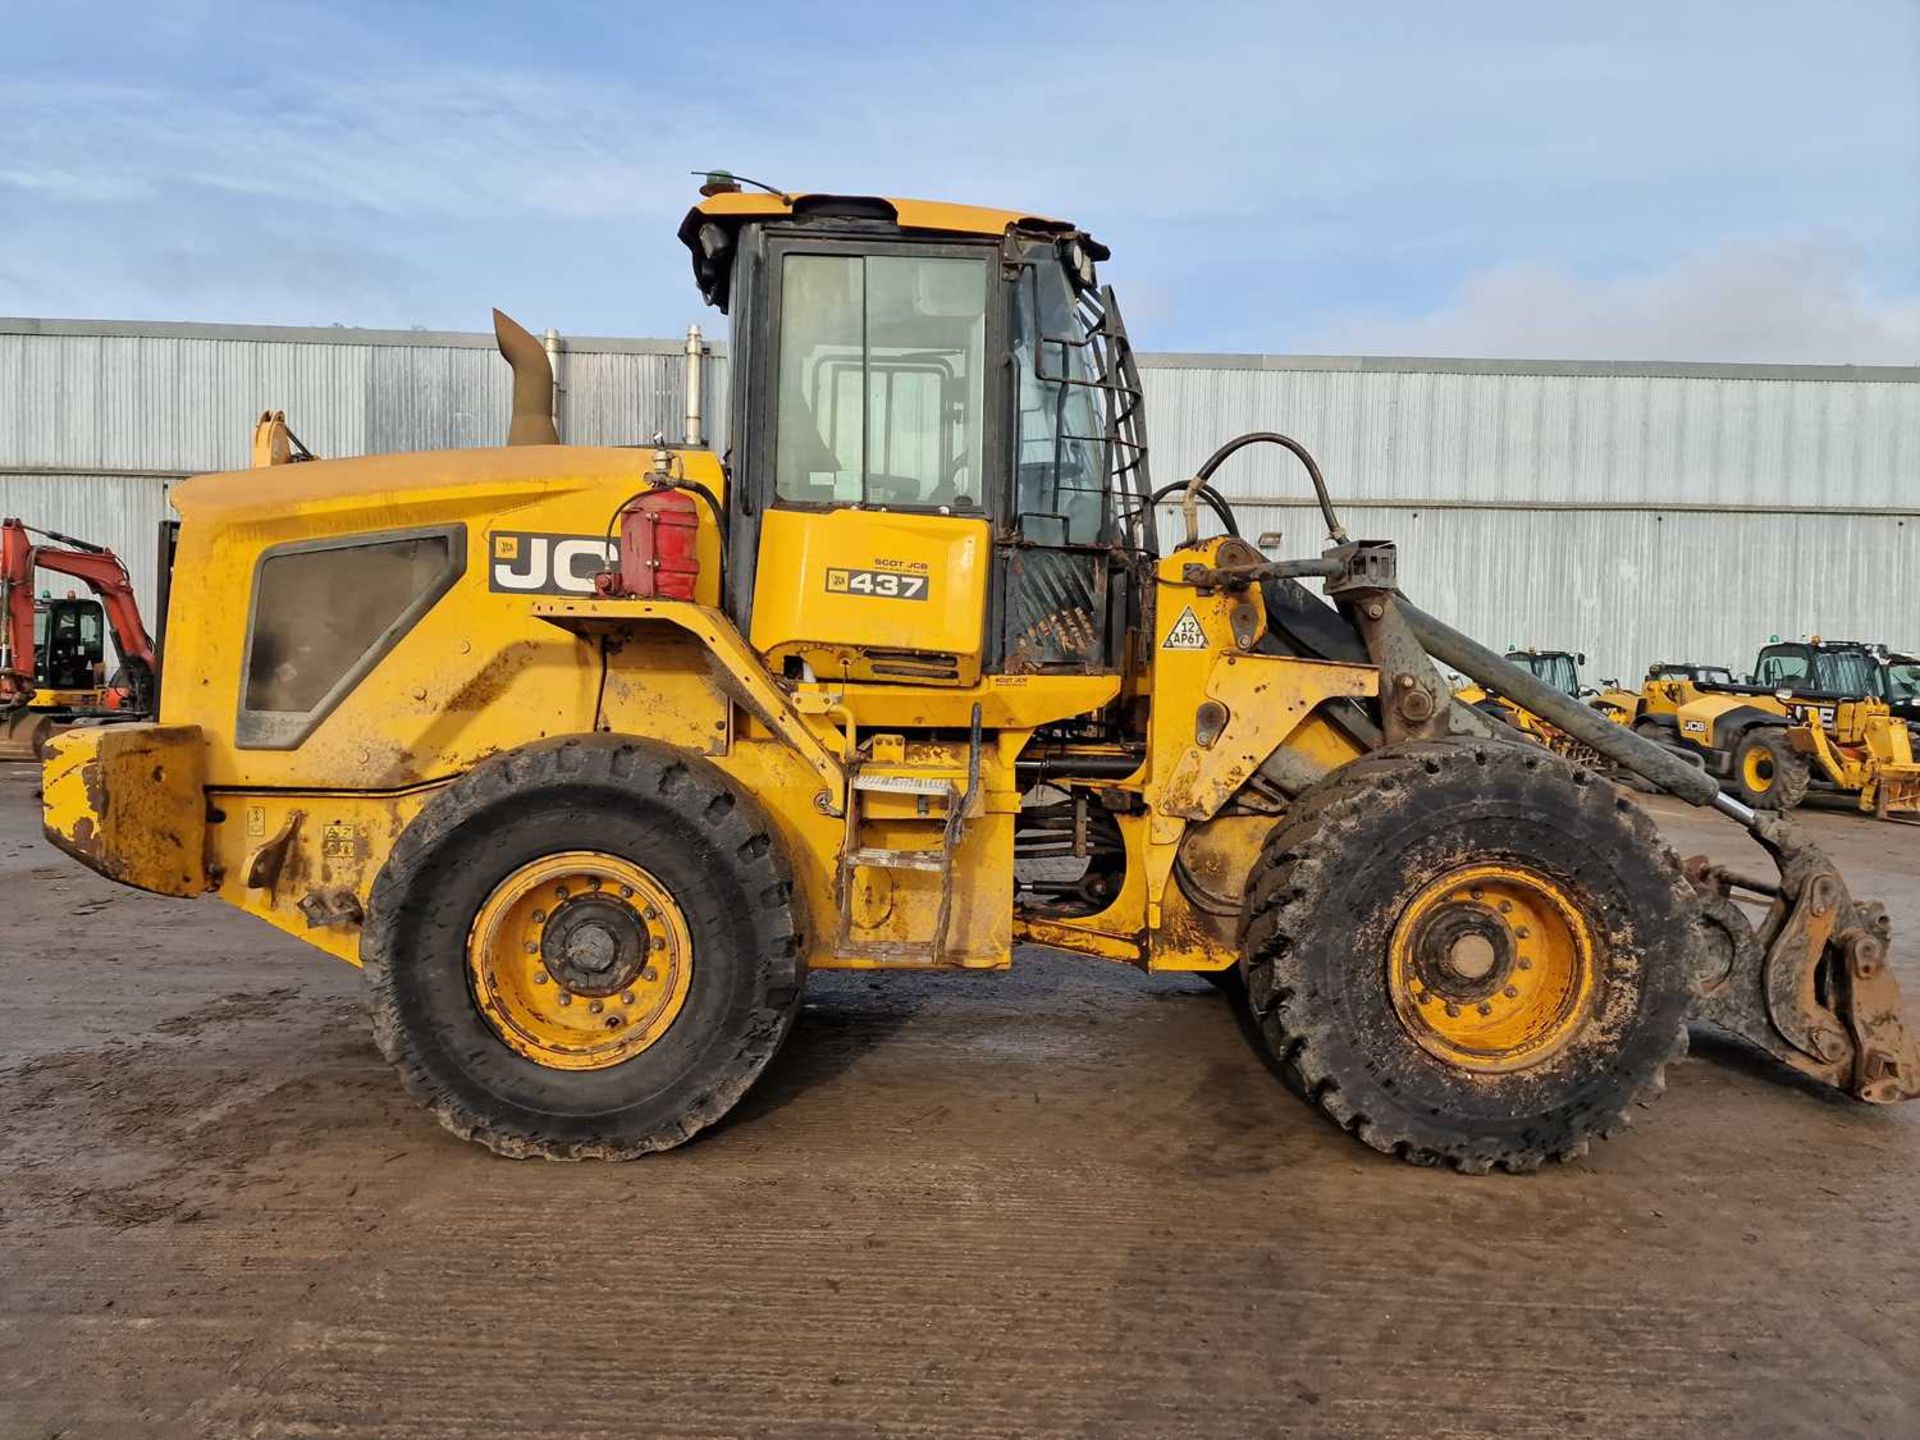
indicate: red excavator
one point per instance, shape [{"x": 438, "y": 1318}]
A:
[{"x": 52, "y": 651}]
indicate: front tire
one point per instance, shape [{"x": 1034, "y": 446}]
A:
[
  {"x": 1469, "y": 953},
  {"x": 1769, "y": 774},
  {"x": 584, "y": 948}
]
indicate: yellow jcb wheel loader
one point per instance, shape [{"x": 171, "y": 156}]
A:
[{"x": 589, "y": 755}]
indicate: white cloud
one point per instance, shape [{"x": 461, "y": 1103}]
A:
[{"x": 1793, "y": 300}]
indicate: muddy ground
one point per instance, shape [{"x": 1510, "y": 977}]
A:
[{"x": 1065, "y": 1201}]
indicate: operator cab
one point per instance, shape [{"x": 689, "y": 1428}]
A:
[
  {"x": 1899, "y": 684},
  {"x": 938, "y": 467},
  {"x": 69, "y": 641},
  {"x": 1558, "y": 668},
  {"x": 1840, "y": 669},
  {"x": 1709, "y": 676}
]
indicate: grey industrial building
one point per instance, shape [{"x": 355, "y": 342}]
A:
[{"x": 1636, "y": 511}]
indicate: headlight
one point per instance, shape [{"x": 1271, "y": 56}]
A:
[{"x": 1079, "y": 264}]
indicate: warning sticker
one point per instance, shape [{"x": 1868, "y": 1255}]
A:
[
  {"x": 339, "y": 842},
  {"x": 1187, "y": 633}
]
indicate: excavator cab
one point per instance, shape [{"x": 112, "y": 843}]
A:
[{"x": 70, "y": 643}]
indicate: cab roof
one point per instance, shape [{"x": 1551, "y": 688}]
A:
[
  {"x": 730, "y": 209},
  {"x": 942, "y": 215}
]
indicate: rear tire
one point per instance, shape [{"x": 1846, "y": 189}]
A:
[
  {"x": 1426, "y": 856},
  {"x": 1769, "y": 774},
  {"x": 695, "y": 848}
]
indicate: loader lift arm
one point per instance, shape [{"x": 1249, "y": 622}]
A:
[{"x": 103, "y": 574}]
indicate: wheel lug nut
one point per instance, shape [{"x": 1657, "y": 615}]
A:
[
  {"x": 626, "y": 997},
  {"x": 1453, "y": 1009},
  {"x": 649, "y": 974},
  {"x": 560, "y": 891},
  {"x": 593, "y": 882},
  {"x": 596, "y": 1007},
  {"x": 1484, "y": 1008},
  {"x": 565, "y": 998},
  {"x": 1506, "y": 907},
  {"x": 659, "y": 942},
  {"x": 651, "y": 913},
  {"x": 1510, "y": 992},
  {"x": 626, "y": 892},
  {"x": 539, "y": 917},
  {"x": 1524, "y": 963},
  {"x": 1520, "y": 932},
  {"x": 1476, "y": 892},
  {"x": 532, "y": 949},
  {"x": 539, "y": 977}
]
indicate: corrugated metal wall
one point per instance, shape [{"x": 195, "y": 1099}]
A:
[
  {"x": 1637, "y": 512},
  {"x": 1629, "y": 587},
  {"x": 120, "y": 511}
]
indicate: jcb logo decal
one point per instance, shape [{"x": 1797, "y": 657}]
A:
[
  {"x": 526, "y": 562},
  {"x": 885, "y": 584}
]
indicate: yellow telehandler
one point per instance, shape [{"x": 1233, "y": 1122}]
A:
[
  {"x": 588, "y": 755},
  {"x": 1815, "y": 719}
]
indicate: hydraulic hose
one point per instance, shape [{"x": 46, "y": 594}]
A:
[
  {"x": 1213, "y": 497},
  {"x": 1335, "y": 530}
]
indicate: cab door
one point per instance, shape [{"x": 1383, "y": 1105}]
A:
[{"x": 874, "y": 546}]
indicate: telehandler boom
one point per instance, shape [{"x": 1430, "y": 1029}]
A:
[{"x": 588, "y": 754}]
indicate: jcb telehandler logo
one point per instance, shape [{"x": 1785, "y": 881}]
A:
[{"x": 526, "y": 562}]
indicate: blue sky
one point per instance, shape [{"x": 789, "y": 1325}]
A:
[{"x": 1735, "y": 181}]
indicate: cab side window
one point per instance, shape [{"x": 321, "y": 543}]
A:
[
  {"x": 881, "y": 394},
  {"x": 1781, "y": 668}
]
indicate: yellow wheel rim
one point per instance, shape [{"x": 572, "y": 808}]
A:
[
  {"x": 580, "y": 960},
  {"x": 1492, "y": 968},
  {"x": 1756, "y": 770}
]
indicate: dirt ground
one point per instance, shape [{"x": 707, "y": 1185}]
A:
[{"x": 1065, "y": 1201}]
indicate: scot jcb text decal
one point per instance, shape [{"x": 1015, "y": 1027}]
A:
[
  {"x": 906, "y": 582},
  {"x": 527, "y": 562}
]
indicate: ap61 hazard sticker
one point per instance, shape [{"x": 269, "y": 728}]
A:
[
  {"x": 1187, "y": 633},
  {"x": 882, "y": 584}
]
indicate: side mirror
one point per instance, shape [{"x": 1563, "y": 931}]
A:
[{"x": 1581, "y": 657}]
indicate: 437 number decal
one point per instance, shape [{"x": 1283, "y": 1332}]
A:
[{"x": 884, "y": 584}]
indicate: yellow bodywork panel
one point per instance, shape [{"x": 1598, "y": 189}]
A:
[
  {"x": 128, "y": 800},
  {"x": 652, "y": 679},
  {"x": 1260, "y": 700},
  {"x": 294, "y": 860},
  {"x": 872, "y": 595},
  {"x": 477, "y": 672}
]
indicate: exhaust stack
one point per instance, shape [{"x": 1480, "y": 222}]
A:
[
  {"x": 532, "y": 422},
  {"x": 696, "y": 352}
]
